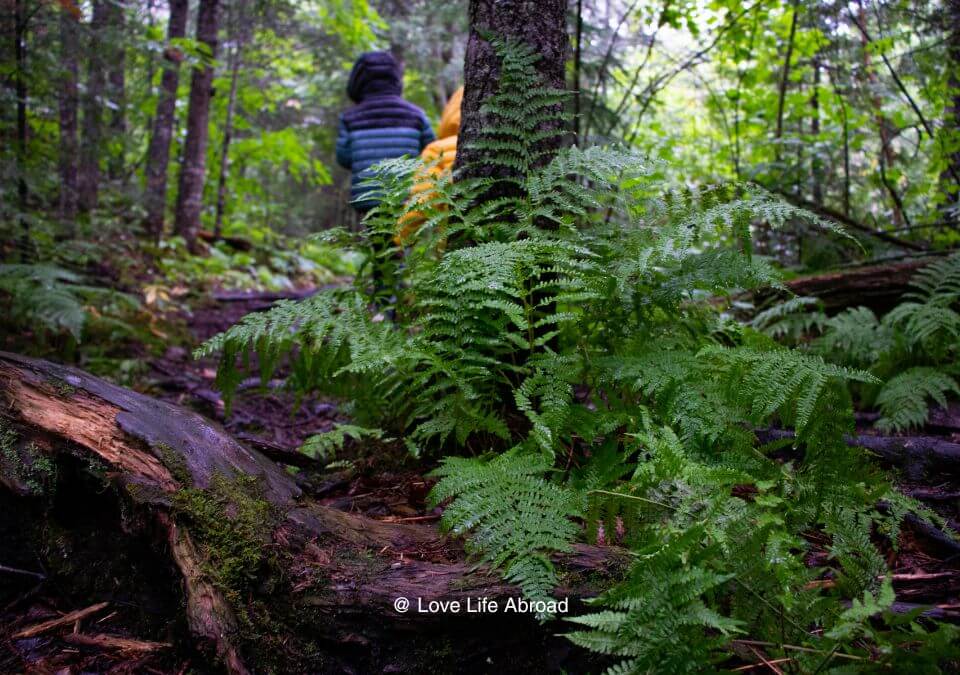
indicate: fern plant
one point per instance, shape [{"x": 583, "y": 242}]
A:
[
  {"x": 578, "y": 357},
  {"x": 49, "y": 299},
  {"x": 911, "y": 351}
]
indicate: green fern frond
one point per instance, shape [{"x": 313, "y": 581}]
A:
[
  {"x": 903, "y": 399},
  {"x": 326, "y": 445},
  {"x": 778, "y": 380},
  {"x": 513, "y": 516}
]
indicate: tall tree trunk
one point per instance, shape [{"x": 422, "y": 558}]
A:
[
  {"x": 158, "y": 154},
  {"x": 785, "y": 75},
  {"x": 542, "y": 25},
  {"x": 886, "y": 157},
  {"x": 92, "y": 128},
  {"x": 952, "y": 114},
  {"x": 116, "y": 83},
  {"x": 577, "y": 57},
  {"x": 20, "y": 55},
  {"x": 69, "y": 102},
  {"x": 225, "y": 148},
  {"x": 816, "y": 163},
  {"x": 193, "y": 169},
  {"x": 239, "y": 34}
]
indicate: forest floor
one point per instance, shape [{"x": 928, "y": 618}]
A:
[{"x": 49, "y": 626}]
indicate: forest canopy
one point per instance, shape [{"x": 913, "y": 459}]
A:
[{"x": 584, "y": 336}]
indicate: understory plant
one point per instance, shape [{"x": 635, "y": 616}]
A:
[
  {"x": 556, "y": 332},
  {"x": 912, "y": 350}
]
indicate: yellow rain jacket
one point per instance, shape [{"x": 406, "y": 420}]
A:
[{"x": 440, "y": 154}]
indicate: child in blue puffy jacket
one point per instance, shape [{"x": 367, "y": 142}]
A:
[{"x": 380, "y": 126}]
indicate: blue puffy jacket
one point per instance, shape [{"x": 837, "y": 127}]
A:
[{"x": 380, "y": 126}]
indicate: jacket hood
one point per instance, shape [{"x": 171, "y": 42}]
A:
[
  {"x": 450, "y": 119},
  {"x": 373, "y": 74}
]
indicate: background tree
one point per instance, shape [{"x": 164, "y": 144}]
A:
[
  {"x": 91, "y": 145},
  {"x": 193, "y": 166},
  {"x": 69, "y": 102},
  {"x": 543, "y": 25},
  {"x": 158, "y": 153}
]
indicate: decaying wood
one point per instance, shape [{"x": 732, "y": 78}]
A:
[
  {"x": 64, "y": 620},
  {"x": 115, "y": 642},
  {"x": 156, "y": 449},
  {"x": 876, "y": 286},
  {"x": 918, "y": 455},
  {"x": 879, "y": 287}
]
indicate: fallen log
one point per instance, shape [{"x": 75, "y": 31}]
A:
[
  {"x": 878, "y": 287},
  {"x": 918, "y": 455},
  {"x": 259, "y": 561}
]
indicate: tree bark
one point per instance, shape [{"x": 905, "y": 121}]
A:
[
  {"x": 542, "y": 25},
  {"x": 885, "y": 156},
  {"x": 69, "y": 102},
  {"x": 193, "y": 168},
  {"x": 20, "y": 89},
  {"x": 952, "y": 114},
  {"x": 239, "y": 38},
  {"x": 785, "y": 76},
  {"x": 918, "y": 455},
  {"x": 577, "y": 58},
  {"x": 816, "y": 163},
  {"x": 340, "y": 571},
  {"x": 116, "y": 89},
  {"x": 92, "y": 128},
  {"x": 879, "y": 287},
  {"x": 158, "y": 154}
]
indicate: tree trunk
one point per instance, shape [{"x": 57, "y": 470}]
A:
[
  {"x": 158, "y": 154},
  {"x": 785, "y": 77},
  {"x": 239, "y": 34},
  {"x": 69, "y": 102},
  {"x": 193, "y": 168},
  {"x": 20, "y": 88},
  {"x": 952, "y": 114},
  {"x": 92, "y": 128},
  {"x": 116, "y": 89},
  {"x": 816, "y": 163},
  {"x": 885, "y": 156},
  {"x": 542, "y": 25},
  {"x": 319, "y": 579},
  {"x": 577, "y": 58}
]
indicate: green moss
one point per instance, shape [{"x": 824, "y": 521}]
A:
[
  {"x": 232, "y": 524},
  {"x": 175, "y": 463},
  {"x": 26, "y": 463},
  {"x": 62, "y": 387}
]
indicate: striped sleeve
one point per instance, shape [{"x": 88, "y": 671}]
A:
[
  {"x": 426, "y": 132},
  {"x": 344, "y": 154}
]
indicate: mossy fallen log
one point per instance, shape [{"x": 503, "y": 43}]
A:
[{"x": 267, "y": 573}]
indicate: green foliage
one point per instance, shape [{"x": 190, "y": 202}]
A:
[
  {"x": 56, "y": 301},
  {"x": 580, "y": 357},
  {"x": 514, "y": 516},
  {"x": 928, "y": 318},
  {"x": 325, "y": 446},
  {"x": 903, "y": 399},
  {"x": 765, "y": 382},
  {"x": 910, "y": 353},
  {"x": 790, "y": 319}
]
